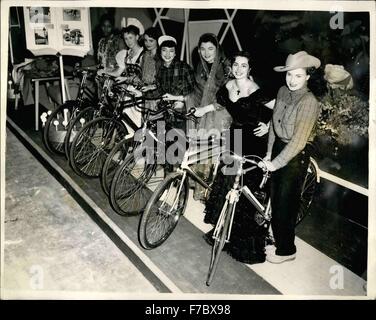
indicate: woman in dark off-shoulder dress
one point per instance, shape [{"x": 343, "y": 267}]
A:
[{"x": 251, "y": 111}]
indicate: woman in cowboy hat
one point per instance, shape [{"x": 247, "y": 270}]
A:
[{"x": 294, "y": 117}]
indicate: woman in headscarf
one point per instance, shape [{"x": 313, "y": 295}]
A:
[
  {"x": 150, "y": 64},
  {"x": 210, "y": 74}
]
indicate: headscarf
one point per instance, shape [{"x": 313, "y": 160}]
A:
[
  {"x": 208, "y": 82},
  {"x": 338, "y": 77}
]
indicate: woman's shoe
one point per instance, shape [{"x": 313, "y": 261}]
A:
[
  {"x": 274, "y": 258},
  {"x": 208, "y": 237}
]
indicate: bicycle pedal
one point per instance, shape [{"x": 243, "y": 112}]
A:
[
  {"x": 260, "y": 219},
  {"x": 260, "y": 195}
]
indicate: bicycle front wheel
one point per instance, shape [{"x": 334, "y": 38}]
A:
[
  {"x": 308, "y": 192},
  {"x": 114, "y": 160},
  {"x": 91, "y": 146},
  {"x": 219, "y": 243},
  {"x": 163, "y": 211},
  {"x": 57, "y": 125},
  {"x": 133, "y": 184},
  {"x": 76, "y": 124}
]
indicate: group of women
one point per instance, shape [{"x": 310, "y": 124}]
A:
[{"x": 226, "y": 96}]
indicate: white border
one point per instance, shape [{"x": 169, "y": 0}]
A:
[{"x": 283, "y": 5}]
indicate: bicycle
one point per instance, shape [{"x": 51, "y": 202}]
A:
[
  {"x": 117, "y": 155},
  {"x": 222, "y": 230},
  {"x": 169, "y": 200},
  {"x": 142, "y": 171},
  {"x": 259, "y": 199},
  {"x": 58, "y": 128},
  {"x": 92, "y": 144},
  {"x": 78, "y": 113},
  {"x": 90, "y": 112}
]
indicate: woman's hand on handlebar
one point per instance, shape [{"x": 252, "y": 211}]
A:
[
  {"x": 191, "y": 115},
  {"x": 178, "y": 105},
  {"x": 261, "y": 130},
  {"x": 169, "y": 97},
  {"x": 120, "y": 79},
  {"x": 148, "y": 88},
  {"x": 268, "y": 157},
  {"x": 100, "y": 72},
  {"x": 131, "y": 89},
  {"x": 266, "y": 165},
  {"x": 200, "y": 112}
]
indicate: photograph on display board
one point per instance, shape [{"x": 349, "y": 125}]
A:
[
  {"x": 40, "y": 15},
  {"x": 66, "y": 30},
  {"x": 71, "y": 14},
  {"x": 41, "y": 36},
  {"x": 73, "y": 37}
]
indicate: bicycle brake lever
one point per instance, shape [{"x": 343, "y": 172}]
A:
[{"x": 194, "y": 119}]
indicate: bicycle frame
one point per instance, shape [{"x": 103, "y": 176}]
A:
[
  {"x": 233, "y": 196},
  {"x": 81, "y": 88},
  {"x": 195, "y": 156},
  {"x": 187, "y": 161}
]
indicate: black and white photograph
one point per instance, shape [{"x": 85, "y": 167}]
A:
[
  {"x": 190, "y": 149},
  {"x": 41, "y": 36},
  {"x": 71, "y": 14},
  {"x": 72, "y": 37},
  {"x": 40, "y": 15}
]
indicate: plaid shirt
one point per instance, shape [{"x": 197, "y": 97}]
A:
[
  {"x": 176, "y": 79},
  {"x": 294, "y": 117}
]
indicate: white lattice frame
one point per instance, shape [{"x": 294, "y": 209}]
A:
[{"x": 185, "y": 43}]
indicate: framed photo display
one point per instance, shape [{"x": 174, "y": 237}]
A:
[{"x": 64, "y": 30}]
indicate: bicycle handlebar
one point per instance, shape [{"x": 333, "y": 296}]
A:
[
  {"x": 185, "y": 116},
  {"x": 246, "y": 159},
  {"x": 80, "y": 70},
  {"x": 105, "y": 76},
  {"x": 164, "y": 106}
]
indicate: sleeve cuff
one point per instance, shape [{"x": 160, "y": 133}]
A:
[{"x": 277, "y": 163}]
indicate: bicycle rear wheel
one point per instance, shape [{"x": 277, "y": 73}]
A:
[
  {"x": 163, "y": 211},
  {"x": 308, "y": 192},
  {"x": 92, "y": 144},
  {"x": 219, "y": 243},
  {"x": 57, "y": 125},
  {"x": 134, "y": 183},
  {"x": 78, "y": 122}
]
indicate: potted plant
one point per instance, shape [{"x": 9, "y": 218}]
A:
[{"x": 344, "y": 116}]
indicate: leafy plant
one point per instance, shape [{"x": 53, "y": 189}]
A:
[{"x": 343, "y": 115}]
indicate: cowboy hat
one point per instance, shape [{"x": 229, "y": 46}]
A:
[
  {"x": 298, "y": 60},
  {"x": 162, "y": 39}
]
